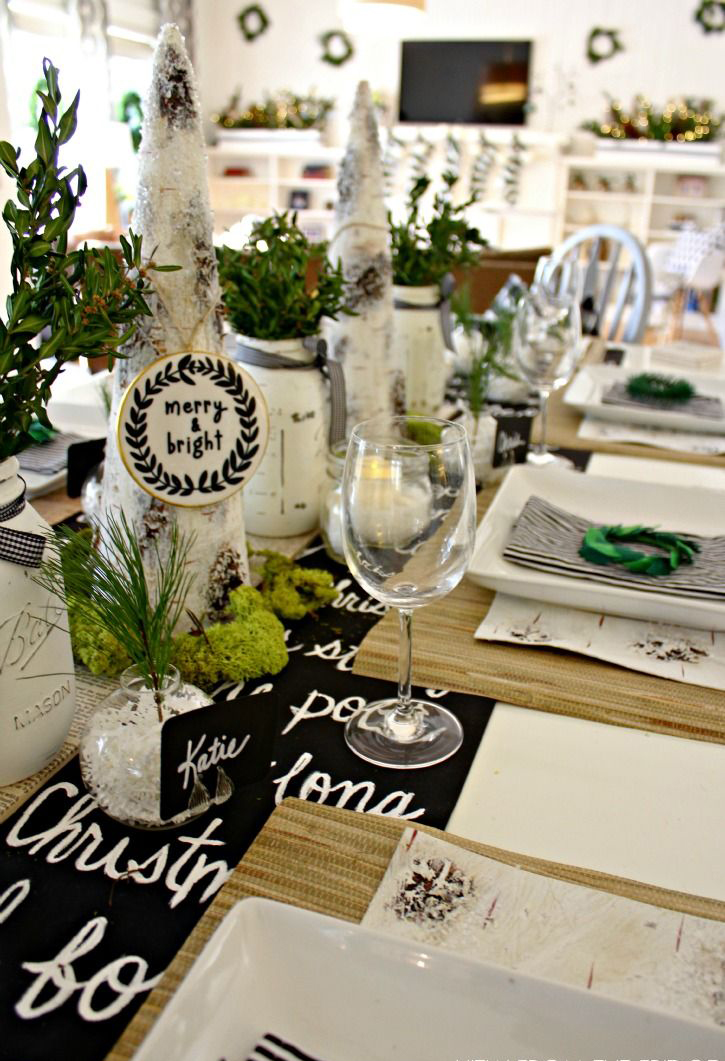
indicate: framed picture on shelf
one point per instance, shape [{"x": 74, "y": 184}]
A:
[{"x": 299, "y": 199}]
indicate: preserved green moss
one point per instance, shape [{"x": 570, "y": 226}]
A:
[
  {"x": 293, "y": 591},
  {"x": 233, "y": 651}
]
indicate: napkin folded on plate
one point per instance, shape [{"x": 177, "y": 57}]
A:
[
  {"x": 593, "y": 430},
  {"x": 698, "y": 405},
  {"x": 48, "y": 457},
  {"x": 272, "y": 1048},
  {"x": 548, "y": 539}
]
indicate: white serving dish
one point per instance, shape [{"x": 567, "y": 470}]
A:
[
  {"x": 688, "y": 509},
  {"x": 344, "y": 993},
  {"x": 585, "y": 392}
]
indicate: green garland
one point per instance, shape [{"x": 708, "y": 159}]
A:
[
  {"x": 596, "y": 53},
  {"x": 666, "y": 389},
  {"x": 253, "y": 21},
  {"x": 337, "y": 47},
  {"x": 711, "y": 16},
  {"x": 598, "y": 547}
]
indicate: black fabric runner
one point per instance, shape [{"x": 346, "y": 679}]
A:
[{"x": 92, "y": 912}]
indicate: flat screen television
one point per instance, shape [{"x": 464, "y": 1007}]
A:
[{"x": 465, "y": 82}]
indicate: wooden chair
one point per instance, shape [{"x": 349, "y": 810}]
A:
[{"x": 617, "y": 281}]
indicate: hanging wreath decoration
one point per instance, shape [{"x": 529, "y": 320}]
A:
[
  {"x": 600, "y": 547},
  {"x": 253, "y": 21},
  {"x": 603, "y": 44},
  {"x": 337, "y": 47},
  {"x": 711, "y": 16}
]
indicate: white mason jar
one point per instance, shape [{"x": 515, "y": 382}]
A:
[
  {"x": 283, "y": 496},
  {"x": 420, "y": 347},
  {"x": 37, "y": 678}
]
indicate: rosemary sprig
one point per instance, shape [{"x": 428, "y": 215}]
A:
[{"x": 115, "y": 594}]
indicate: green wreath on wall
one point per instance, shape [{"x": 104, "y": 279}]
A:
[
  {"x": 711, "y": 16},
  {"x": 337, "y": 47},
  {"x": 603, "y": 44},
  {"x": 253, "y": 21}
]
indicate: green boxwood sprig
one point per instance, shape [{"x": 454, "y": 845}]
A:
[{"x": 656, "y": 387}]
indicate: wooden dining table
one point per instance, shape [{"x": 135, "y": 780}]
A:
[{"x": 586, "y": 772}]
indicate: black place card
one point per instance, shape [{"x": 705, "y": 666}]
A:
[
  {"x": 513, "y": 432},
  {"x": 225, "y": 744},
  {"x": 613, "y": 355},
  {"x": 82, "y": 458}
]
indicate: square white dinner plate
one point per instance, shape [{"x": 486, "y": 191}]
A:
[
  {"x": 591, "y": 382},
  {"x": 688, "y": 509},
  {"x": 343, "y": 993}
]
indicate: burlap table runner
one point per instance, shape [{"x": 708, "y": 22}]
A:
[
  {"x": 332, "y": 861},
  {"x": 447, "y": 656}
]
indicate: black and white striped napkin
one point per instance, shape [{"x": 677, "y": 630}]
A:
[
  {"x": 698, "y": 405},
  {"x": 48, "y": 458},
  {"x": 548, "y": 539},
  {"x": 272, "y": 1048}
]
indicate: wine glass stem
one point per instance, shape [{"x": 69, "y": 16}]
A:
[
  {"x": 543, "y": 412},
  {"x": 404, "y": 709}
]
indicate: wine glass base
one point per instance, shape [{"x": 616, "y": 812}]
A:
[
  {"x": 541, "y": 458},
  {"x": 431, "y": 735}
]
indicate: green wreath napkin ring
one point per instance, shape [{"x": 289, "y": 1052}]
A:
[
  {"x": 660, "y": 388},
  {"x": 600, "y": 547}
]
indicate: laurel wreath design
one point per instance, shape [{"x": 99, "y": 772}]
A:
[{"x": 239, "y": 458}]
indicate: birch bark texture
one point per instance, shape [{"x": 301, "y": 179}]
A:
[
  {"x": 363, "y": 344},
  {"x": 174, "y": 218}
]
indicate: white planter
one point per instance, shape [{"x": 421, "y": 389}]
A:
[
  {"x": 482, "y": 437},
  {"x": 283, "y": 496},
  {"x": 37, "y": 679},
  {"x": 420, "y": 346}
]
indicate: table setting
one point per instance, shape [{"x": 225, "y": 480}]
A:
[{"x": 442, "y": 781}]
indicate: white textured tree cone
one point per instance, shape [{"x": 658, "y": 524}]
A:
[
  {"x": 173, "y": 216},
  {"x": 363, "y": 344}
]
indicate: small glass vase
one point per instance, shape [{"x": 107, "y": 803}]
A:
[
  {"x": 331, "y": 507},
  {"x": 120, "y": 751}
]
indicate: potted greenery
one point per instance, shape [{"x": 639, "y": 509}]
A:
[
  {"x": 277, "y": 290},
  {"x": 63, "y": 305},
  {"x": 424, "y": 253}
]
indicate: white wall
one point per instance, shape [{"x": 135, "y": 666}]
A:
[{"x": 667, "y": 54}]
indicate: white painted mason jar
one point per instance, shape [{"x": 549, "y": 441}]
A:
[
  {"x": 37, "y": 678},
  {"x": 420, "y": 347},
  {"x": 283, "y": 496}
]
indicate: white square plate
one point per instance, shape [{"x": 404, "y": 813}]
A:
[
  {"x": 343, "y": 993},
  {"x": 688, "y": 509},
  {"x": 591, "y": 382}
]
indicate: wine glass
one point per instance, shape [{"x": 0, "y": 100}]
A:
[
  {"x": 408, "y": 527},
  {"x": 547, "y": 344}
]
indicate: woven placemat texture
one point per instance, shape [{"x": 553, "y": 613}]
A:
[
  {"x": 446, "y": 655},
  {"x": 332, "y": 861}
]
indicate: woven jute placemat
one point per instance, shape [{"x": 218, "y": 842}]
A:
[
  {"x": 446, "y": 655},
  {"x": 332, "y": 861}
]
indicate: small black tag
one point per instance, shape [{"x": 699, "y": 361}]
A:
[
  {"x": 613, "y": 355},
  {"x": 512, "y": 439},
  {"x": 82, "y": 456},
  {"x": 235, "y": 736}
]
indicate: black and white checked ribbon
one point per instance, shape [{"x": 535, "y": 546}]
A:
[
  {"x": 332, "y": 370},
  {"x": 443, "y": 306},
  {"x": 272, "y": 1048},
  {"x": 19, "y": 547}
]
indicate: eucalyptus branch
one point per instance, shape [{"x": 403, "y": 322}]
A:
[
  {"x": 115, "y": 594},
  {"x": 424, "y": 253},
  {"x": 266, "y": 288},
  {"x": 63, "y": 305}
]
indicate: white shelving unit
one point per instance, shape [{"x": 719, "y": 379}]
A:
[
  {"x": 275, "y": 173},
  {"x": 639, "y": 190}
]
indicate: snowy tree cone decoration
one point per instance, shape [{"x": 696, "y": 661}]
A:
[
  {"x": 173, "y": 215},
  {"x": 363, "y": 344}
]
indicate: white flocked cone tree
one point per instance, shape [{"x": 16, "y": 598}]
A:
[
  {"x": 363, "y": 344},
  {"x": 174, "y": 218}
]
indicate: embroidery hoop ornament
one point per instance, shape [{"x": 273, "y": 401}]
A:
[
  {"x": 337, "y": 47},
  {"x": 176, "y": 487},
  {"x": 253, "y": 21},
  {"x": 598, "y": 54},
  {"x": 599, "y": 547},
  {"x": 711, "y": 16}
]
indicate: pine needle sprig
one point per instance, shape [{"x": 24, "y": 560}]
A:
[{"x": 115, "y": 594}]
